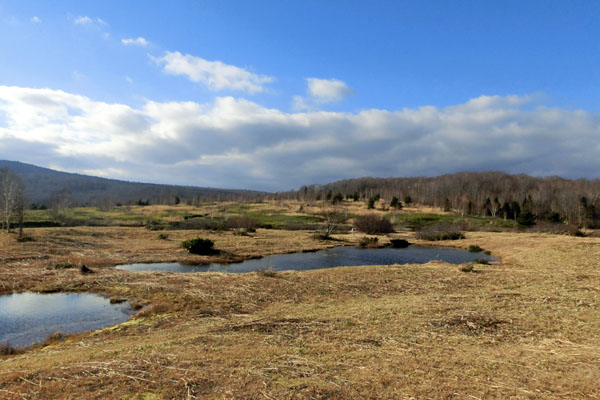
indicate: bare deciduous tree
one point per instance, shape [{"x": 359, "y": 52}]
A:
[
  {"x": 12, "y": 199},
  {"x": 333, "y": 218},
  {"x": 60, "y": 202}
]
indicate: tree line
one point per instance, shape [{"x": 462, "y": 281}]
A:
[{"x": 495, "y": 194}]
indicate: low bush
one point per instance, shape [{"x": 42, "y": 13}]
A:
[
  {"x": 162, "y": 236},
  {"x": 399, "y": 243},
  {"x": 372, "y": 224},
  {"x": 199, "y": 246},
  {"x": 475, "y": 249},
  {"x": 440, "y": 232},
  {"x": 468, "y": 267},
  {"x": 370, "y": 242},
  {"x": 526, "y": 219},
  {"x": 22, "y": 239},
  {"x": 481, "y": 261}
]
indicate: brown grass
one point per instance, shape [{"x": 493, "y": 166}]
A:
[{"x": 528, "y": 328}]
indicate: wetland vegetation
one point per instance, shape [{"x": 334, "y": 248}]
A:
[{"x": 525, "y": 327}]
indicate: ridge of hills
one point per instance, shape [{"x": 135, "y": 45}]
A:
[{"x": 42, "y": 183}]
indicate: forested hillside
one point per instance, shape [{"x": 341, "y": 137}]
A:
[
  {"x": 43, "y": 185},
  {"x": 478, "y": 193}
]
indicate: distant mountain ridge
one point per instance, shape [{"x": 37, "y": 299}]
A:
[{"x": 41, "y": 183}]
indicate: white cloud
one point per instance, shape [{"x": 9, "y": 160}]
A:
[
  {"x": 35, "y": 19},
  {"x": 83, "y": 20},
  {"x": 327, "y": 90},
  {"x": 237, "y": 143},
  {"x": 321, "y": 91},
  {"x": 214, "y": 74},
  {"x": 140, "y": 41}
]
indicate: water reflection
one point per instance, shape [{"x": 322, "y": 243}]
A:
[
  {"x": 334, "y": 257},
  {"x": 27, "y": 318}
]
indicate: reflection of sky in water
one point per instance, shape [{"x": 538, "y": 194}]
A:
[
  {"x": 26, "y": 318},
  {"x": 335, "y": 257}
]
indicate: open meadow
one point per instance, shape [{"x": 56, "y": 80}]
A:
[{"x": 527, "y": 327}]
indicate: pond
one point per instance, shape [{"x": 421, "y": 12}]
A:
[
  {"x": 28, "y": 318},
  {"x": 334, "y": 257}
]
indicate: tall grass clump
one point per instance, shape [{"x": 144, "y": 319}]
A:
[{"x": 368, "y": 242}]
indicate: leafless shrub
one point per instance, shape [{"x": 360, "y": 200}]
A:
[
  {"x": 372, "y": 224},
  {"x": 440, "y": 232},
  {"x": 332, "y": 220}
]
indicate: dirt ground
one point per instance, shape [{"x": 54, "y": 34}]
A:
[{"x": 528, "y": 328}]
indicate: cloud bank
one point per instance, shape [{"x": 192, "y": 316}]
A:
[
  {"x": 237, "y": 143},
  {"x": 214, "y": 74}
]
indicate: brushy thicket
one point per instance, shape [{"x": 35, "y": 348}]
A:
[
  {"x": 199, "y": 246},
  {"x": 372, "y": 224},
  {"x": 440, "y": 232}
]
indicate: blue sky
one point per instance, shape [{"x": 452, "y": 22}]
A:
[{"x": 276, "y": 94}]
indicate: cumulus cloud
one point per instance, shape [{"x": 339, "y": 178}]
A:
[
  {"x": 237, "y": 143},
  {"x": 214, "y": 74},
  {"x": 35, "y": 19},
  {"x": 327, "y": 90},
  {"x": 321, "y": 91},
  {"x": 140, "y": 41}
]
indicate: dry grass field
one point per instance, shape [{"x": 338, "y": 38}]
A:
[{"x": 527, "y": 328}]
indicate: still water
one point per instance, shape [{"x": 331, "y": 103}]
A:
[
  {"x": 334, "y": 257},
  {"x": 28, "y": 318}
]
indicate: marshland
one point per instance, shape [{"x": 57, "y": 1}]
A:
[
  {"x": 312, "y": 200},
  {"x": 525, "y": 326}
]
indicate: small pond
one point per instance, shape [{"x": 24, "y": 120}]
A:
[
  {"x": 334, "y": 257},
  {"x": 28, "y": 318}
]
